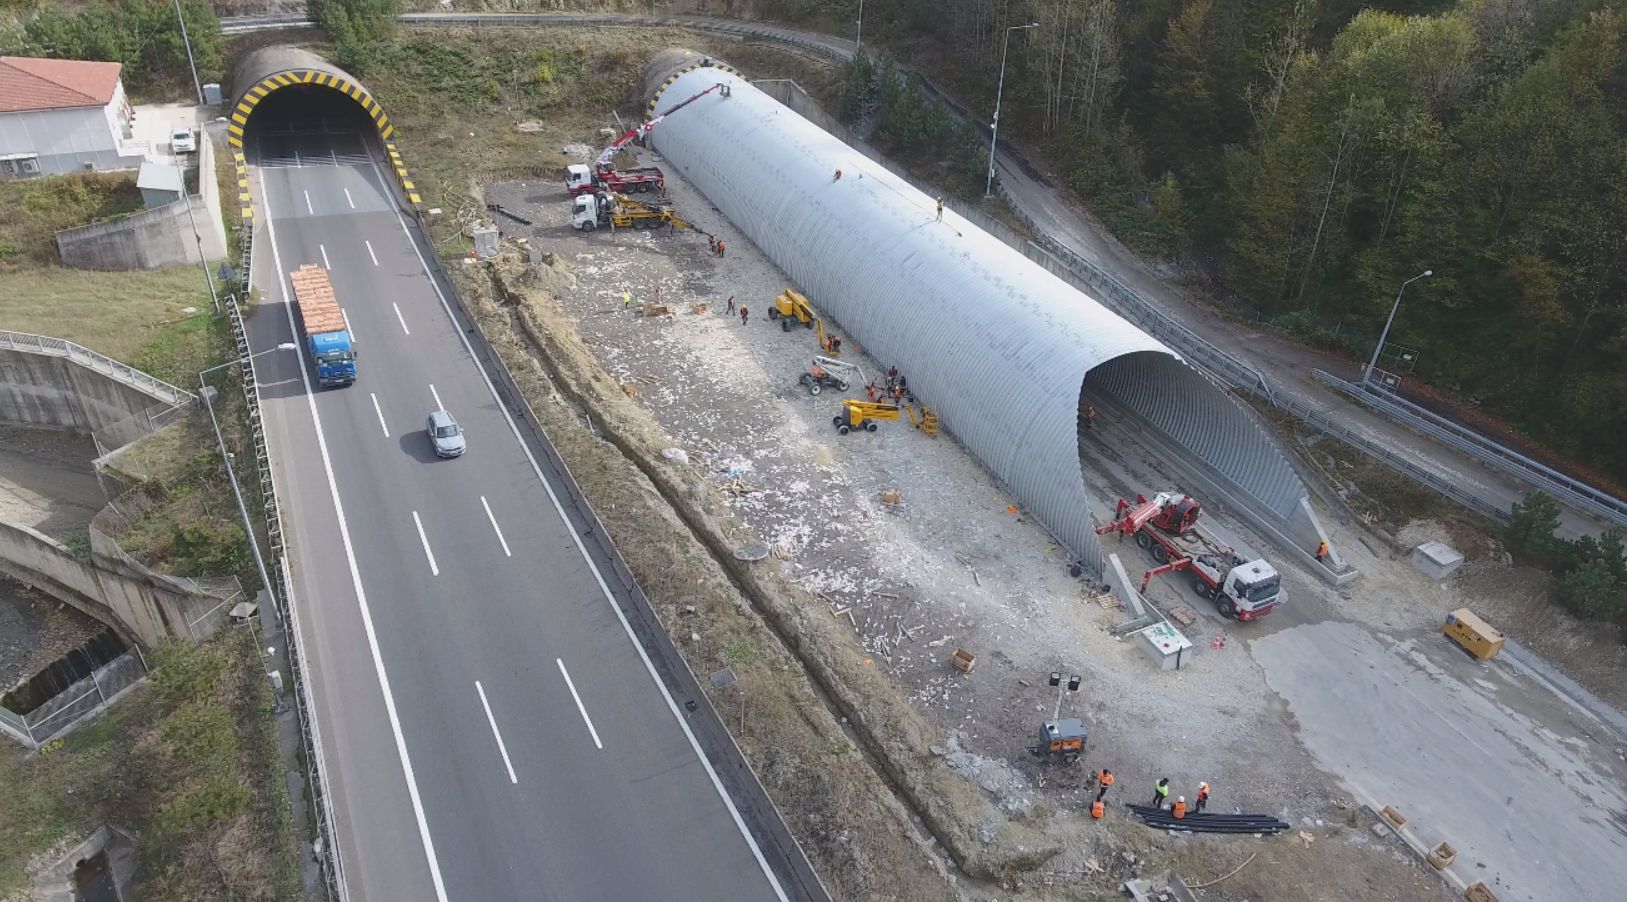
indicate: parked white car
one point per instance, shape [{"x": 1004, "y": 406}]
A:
[{"x": 182, "y": 141}]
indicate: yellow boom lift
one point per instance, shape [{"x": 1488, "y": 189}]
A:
[
  {"x": 862, "y": 415},
  {"x": 791, "y": 306}
]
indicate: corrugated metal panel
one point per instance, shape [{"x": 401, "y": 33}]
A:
[{"x": 999, "y": 346}]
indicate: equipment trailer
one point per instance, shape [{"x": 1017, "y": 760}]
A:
[{"x": 1167, "y": 526}]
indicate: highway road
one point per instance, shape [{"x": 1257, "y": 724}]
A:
[{"x": 491, "y": 729}]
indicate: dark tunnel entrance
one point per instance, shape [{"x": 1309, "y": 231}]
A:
[{"x": 306, "y": 120}]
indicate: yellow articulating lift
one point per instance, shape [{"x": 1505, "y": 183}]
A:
[
  {"x": 862, "y": 415},
  {"x": 791, "y": 307}
]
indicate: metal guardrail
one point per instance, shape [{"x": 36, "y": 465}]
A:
[
  {"x": 119, "y": 372},
  {"x": 1483, "y": 449},
  {"x": 282, "y": 592}
]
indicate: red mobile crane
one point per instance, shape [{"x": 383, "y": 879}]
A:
[
  {"x": 580, "y": 179},
  {"x": 1168, "y": 527}
]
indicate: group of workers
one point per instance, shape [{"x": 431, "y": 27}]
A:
[{"x": 1160, "y": 796}]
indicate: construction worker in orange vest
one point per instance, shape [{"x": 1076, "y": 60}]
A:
[
  {"x": 1203, "y": 798},
  {"x": 1322, "y": 550},
  {"x": 1180, "y": 807},
  {"x": 1105, "y": 781}
]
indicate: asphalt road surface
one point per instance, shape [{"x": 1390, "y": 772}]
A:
[{"x": 490, "y": 728}]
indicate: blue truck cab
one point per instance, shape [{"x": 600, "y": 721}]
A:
[{"x": 335, "y": 358}]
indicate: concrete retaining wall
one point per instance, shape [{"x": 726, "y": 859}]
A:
[
  {"x": 146, "y": 606},
  {"x": 155, "y": 238},
  {"x": 55, "y": 392}
]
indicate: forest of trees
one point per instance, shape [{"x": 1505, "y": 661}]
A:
[
  {"x": 144, "y": 35},
  {"x": 1310, "y": 156}
]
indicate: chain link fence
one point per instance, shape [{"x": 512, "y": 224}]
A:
[{"x": 57, "y": 715}]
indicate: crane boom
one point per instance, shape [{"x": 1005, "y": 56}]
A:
[{"x": 647, "y": 126}]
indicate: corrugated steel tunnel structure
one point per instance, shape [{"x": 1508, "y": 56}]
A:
[{"x": 1007, "y": 353}]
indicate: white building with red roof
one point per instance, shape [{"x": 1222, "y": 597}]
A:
[{"x": 60, "y": 116}]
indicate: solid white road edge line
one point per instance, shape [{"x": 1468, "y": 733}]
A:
[
  {"x": 352, "y": 332},
  {"x": 437, "y": 396},
  {"x": 329, "y": 266},
  {"x": 401, "y": 319},
  {"x": 649, "y": 666},
  {"x": 297, "y": 165},
  {"x": 355, "y": 574},
  {"x": 501, "y": 748},
  {"x": 370, "y": 251},
  {"x": 308, "y": 208},
  {"x": 585, "y": 718},
  {"x": 349, "y": 199},
  {"x": 434, "y": 569},
  {"x": 380, "y": 411},
  {"x": 495, "y": 528}
]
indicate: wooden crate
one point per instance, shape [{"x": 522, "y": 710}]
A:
[
  {"x": 1478, "y": 892},
  {"x": 963, "y": 660},
  {"x": 1442, "y": 856}
]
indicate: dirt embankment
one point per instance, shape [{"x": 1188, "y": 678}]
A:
[{"x": 679, "y": 542}]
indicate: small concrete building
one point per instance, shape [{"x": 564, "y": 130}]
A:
[
  {"x": 160, "y": 184},
  {"x": 61, "y": 116}
]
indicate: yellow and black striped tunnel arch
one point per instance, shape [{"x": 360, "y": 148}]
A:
[{"x": 270, "y": 69}]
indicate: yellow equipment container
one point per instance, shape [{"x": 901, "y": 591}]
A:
[{"x": 1477, "y": 637}]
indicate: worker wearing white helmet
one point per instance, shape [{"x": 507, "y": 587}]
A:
[
  {"x": 1203, "y": 797},
  {"x": 1180, "y": 807}
]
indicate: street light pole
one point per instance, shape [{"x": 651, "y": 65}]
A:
[
  {"x": 226, "y": 458},
  {"x": 858, "y": 42},
  {"x": 189, "y": 61},
  {"x": 994, "y": 138},
  {"x": 1367, "y": 374}
]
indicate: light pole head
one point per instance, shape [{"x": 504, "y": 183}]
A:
[{"x": 1429, "y": 272}]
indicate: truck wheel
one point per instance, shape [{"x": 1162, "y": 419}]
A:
[
  {"x": 1228, "y": 609},
  {"x": 842, "y": 429},
  {"x": 806, "y": 378},
  {"x": 813, "y": 388},
  {"x": 1203, "y": 589},
  {"x": 870, "y": 426},
  {"x": 840, "y": 385},
  {"x": 785, "y": 325},
  {"x": 643, "y": 187},
  {"x": 808, "y": 324},
  {"x": 836, "y": 421},
  {"x": 1160, "y": 553},
  {"x": 1143, "y": 539},
  {"x": 773, "y": 313}
]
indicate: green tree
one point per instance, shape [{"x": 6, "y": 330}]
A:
[
  {"x": 1532, "y": 523},
  {"x": 143, "y": 35},
  {"x": 361, "y": 29}
]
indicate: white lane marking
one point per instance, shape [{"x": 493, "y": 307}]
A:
[
  {"x": 370, "y": 251},
  {"x": 308, "y": 208},
  {"x": 495, "y": 528},
  {"x": 401, "y": 319},
  {"x": 572, "y": 686},
  {"x": 349, "y": 199},
  {"x": 333, "y": 156},
  {"x": 434, "y": 569},
  {"x": 437, "y": 396},
  {"x": 380, "y": 411},
  {"x": 328, "y": 266},
  {"x": 352, "y": 332},
  {"x": 355, "y": 573},
  {"x": 649, "y": 666},
  {"x": 501, "y": 748},
  {"x": 297, "y": 165}
]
